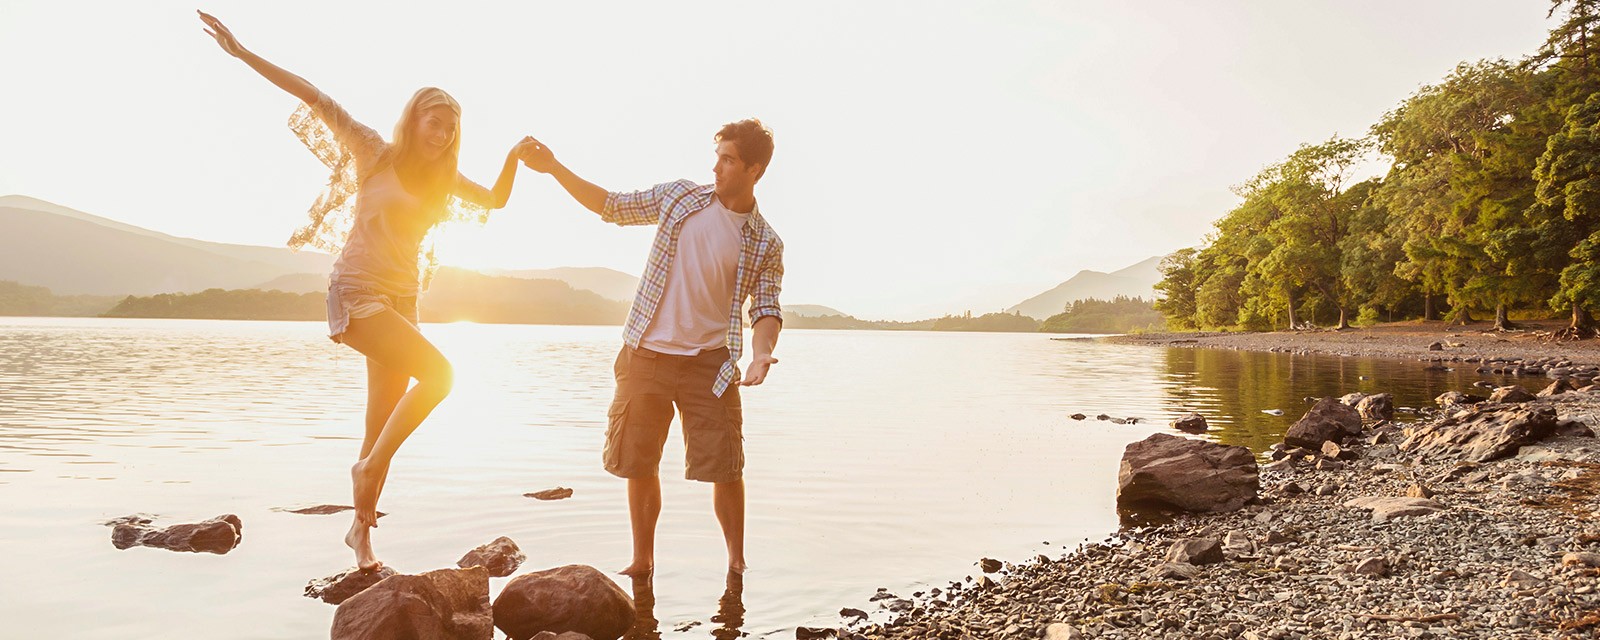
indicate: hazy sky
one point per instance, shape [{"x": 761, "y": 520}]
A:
[{"x": 932, "y": 157}]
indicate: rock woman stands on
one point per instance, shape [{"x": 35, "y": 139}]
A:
[{"x": 382, "y": 202}]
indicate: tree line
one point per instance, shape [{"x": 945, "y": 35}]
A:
[{"x": 1491, "y": 202}]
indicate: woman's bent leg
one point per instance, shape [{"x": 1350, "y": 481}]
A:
[{"x": 396, "y": 346}]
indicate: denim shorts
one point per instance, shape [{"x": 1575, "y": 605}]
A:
[{"x": 346, "y": 301}]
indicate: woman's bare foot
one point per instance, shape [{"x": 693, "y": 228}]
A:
[
  {"x": 365, "y": 482},
  {"x": 639, "y": 569},
  {"x": 359, "y": 538}
]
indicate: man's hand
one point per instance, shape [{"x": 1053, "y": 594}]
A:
[
  {"x": 756, "y": 373},
  {"x": 537, "y": 156}
]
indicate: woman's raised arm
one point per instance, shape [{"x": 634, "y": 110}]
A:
[{"x": 295, "y": 85}]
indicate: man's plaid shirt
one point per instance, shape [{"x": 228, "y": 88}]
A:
[{"x": 759, "y": 278}]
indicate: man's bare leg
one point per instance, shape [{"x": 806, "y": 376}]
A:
[
  {"x": 644, "y": 508},
  {"x": 728, "y": 498}
]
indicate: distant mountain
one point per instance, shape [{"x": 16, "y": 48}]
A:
[
  {"x": 609, "y": 283},
  {"x": 811, "y": 311},
  {"x": 74, "y": 253},
  {"x": 1138, "y": 280},
  {"x": 296, "y": 283},
  {"x": 456, "y": 295}
]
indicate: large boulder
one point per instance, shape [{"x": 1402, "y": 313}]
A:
[
  {"x": 572, "y": 598},
  {"x": 1167, "y": 471},
  {"x": 501, "y": 557},
  {"x": 218, "y": 535},
  {"x": 447, "y": 604},
  {"x": 1376, "y": 407},
  {"x": 1328, "y": 419},
  {"x": 1484, "y": 433}
]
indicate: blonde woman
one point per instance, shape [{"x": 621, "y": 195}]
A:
[{"x": 384, "y": 199}]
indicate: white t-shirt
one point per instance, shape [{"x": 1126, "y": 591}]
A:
[{"x": 693, "y": 314}]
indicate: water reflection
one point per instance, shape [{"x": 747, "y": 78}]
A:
[
  {"x": 1232, "y": 389},
  {"x": 729, "y": 617}
]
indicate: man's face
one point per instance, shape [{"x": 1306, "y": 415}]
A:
[{"x": 734, "y": 177}]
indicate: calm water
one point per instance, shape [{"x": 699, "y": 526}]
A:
[{"x": 875, "y": 459}]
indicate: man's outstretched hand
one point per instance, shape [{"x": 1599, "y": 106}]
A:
[
  {"x": 536, "y": 156},
  {"x": 756, "y": 373}
]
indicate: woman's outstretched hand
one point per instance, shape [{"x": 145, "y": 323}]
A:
[
  {"x": 536, "y": 156},
  {"x": 221, "y": 34}
]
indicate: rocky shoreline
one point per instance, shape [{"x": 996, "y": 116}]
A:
[
  {"x": 1397, "y": 539},
  {"x": 1428, "y": 341}
]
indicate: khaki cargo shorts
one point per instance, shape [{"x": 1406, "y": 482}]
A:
[{"x": 648, "y": 385}]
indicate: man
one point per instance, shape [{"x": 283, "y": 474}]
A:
[{"x": 685, "y": 332}]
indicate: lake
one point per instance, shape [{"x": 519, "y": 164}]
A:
[{"x": 875, "y": 459}]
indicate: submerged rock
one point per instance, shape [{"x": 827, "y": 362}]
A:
[
  {"x": 1169, "y": 471},
  {"x": 218, "y": 535},
  {"x": 558, "y": 493}
]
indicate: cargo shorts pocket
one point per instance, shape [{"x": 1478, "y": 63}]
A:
[
  {"x": 617, "y": 419},
  {"x": 714, "y": 442}
]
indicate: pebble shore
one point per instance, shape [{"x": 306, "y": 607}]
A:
[{"x": 1508, "y": 549}]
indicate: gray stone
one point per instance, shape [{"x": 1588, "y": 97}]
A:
[{"x": 1196, "y": 551}]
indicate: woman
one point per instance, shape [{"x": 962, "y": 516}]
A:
[{"x": 402, "y": 190}]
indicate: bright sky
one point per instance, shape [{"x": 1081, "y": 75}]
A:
[{"x": 932, "y": 157}]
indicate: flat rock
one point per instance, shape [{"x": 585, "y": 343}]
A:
[
  {"x": 558, "y": 493},
  {"x": 1062, "y": 631},
  {"x": 447, "y": 604},
  {"x": 1484, "y": 433},
  {"x": 1175, "y": 571},
  {"x": 1375, "y": 567},
  {"x": 1510, "y": 394},
  {"x": 321, "y": 510},
  {"x": 337, "y": 588},
  {"x": 1386, "y": 508},
  {"x": 1581, "y": 559},
  {"x": 1164, "y": 470},
  {"x": 1450, "y": 399},
  {"x": 990, "y": 565},
  {"x": 218, "y": 535}
]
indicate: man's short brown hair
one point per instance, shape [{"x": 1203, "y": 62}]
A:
[{"x": 752, "y": 139}]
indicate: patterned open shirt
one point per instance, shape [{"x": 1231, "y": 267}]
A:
[{"x": 759, "y": 278}]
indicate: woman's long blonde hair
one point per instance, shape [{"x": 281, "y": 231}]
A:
[{"x": 439, "y": 176}]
